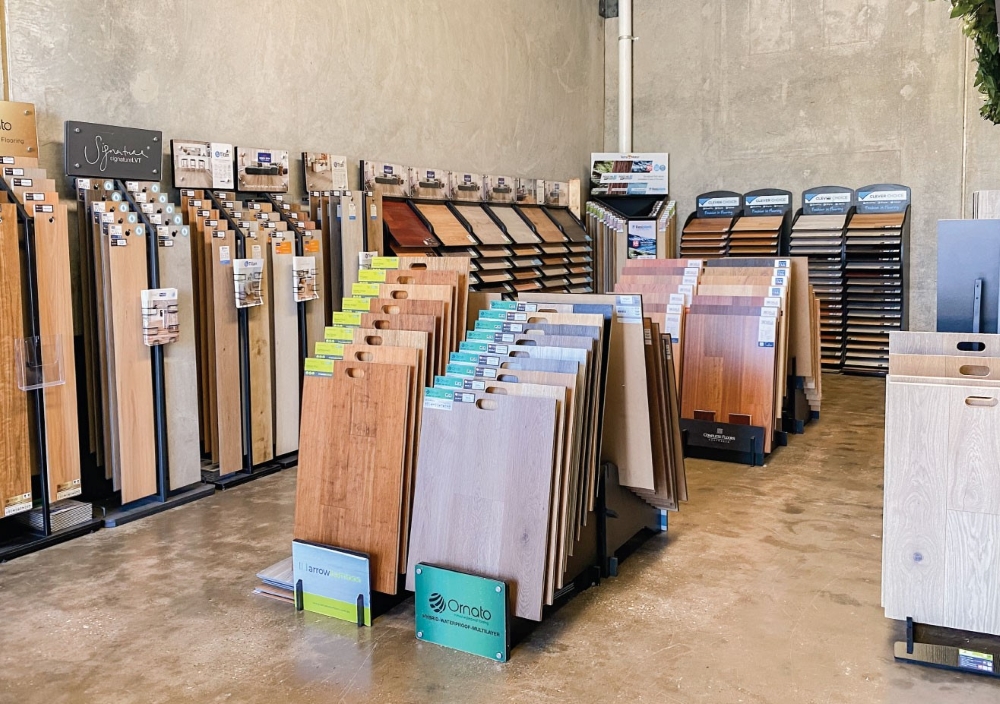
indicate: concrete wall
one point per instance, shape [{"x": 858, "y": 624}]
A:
[
  {"x": 473, "y": 86},
  {"x": 748, "y": 94}
]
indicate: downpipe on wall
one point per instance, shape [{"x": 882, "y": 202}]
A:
[{"x": 625, "y": 40}]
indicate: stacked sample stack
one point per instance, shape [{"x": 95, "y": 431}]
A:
[
  {"x": 874, "y": 299},
  {"x": 363, "y": 403},
  {"x": 941, "y": 513},
  {"x": 705, "y": 238},
  {"x": 821, "y": 239},
  {"x": 756, "y": 236}
]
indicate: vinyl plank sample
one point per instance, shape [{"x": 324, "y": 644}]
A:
[
  {"x": 483, "y": 226},
  {"x": 972, "y": 591},
  {"x": 405, "y": 226},
  {"x": 349, "y": 493},
  {"x": 410, "y": 306},
  {"x": 514, "y": 224},
  {"x": 543, "y": 225},
  {"x": 459, "y": 264},
  {"x": 446, "y": 226},
  {"x": 180, "y": 365},
  {"x": 226, "y": 362},
  {"x": 419, "y": 323},
  {"x": 285, "y": 336},
  {"x": 15, "y": 455},
  {"x": 475, "y": 489},
  {"x": 261, "y": 369}
]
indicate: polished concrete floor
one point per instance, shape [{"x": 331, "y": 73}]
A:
[{"x": 765, "y": 589}]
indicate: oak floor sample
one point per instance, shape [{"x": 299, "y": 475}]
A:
[
  {"x": 261, "y": 367},
  {"x": 482, "y": 502},
  {"x": 180, "y": 365},
  {"x": 418, "y": 323},
  {"x": 674, "y": 410},
  {"x": 352, "y": 236},
  {"x": 285, "y": 335},
  {"x": 542, "y": 223},
  {"x": 569, "y": 224},
  {"x": 412, "y": 358},
  {"x": 405, "y": 226},
  {"x": 726, "y": 372},
  {"x": 226, "y": 362},
  {"x": 436, "y": 277},
  {"x": 514, "y": 224},
  {"x": 435, "y": 309},
  {"x": 317, "y": 312},
  {"x": 351, "y": 462},
  {"x": 483, "y": 226},
  {"x": 15, "y": 454},
  {"x": 459, "y": 264},
  {"x": 450, "y": 326},
  {"x": 133, "y": 387},
  {"x": 446, "y": 226}
]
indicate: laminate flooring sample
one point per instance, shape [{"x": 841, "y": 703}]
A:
[
  {"x": 542, "y": 223},
  {"x": 261, "y": 365},
  {"x": 419, "y": 323},
  {"x": 574, "y": 230},
  {"x": 180, "y": 361},
  {"x": 482, "y": 502},
  {"x": 459, "y": 264},
  {"x": 405, "y": 226},
  {"x": 15, "y": 456},
  {"x": 285, "y": 337},
  {"x": 352, "y": 237},
  {"x": 446, "y": 226},
  {"x": 226, "y": 360},
  {"x": 318, "y": 312},
  {"x": 133, "y": 388},
  {"x": 451, "y": 327},
  {"x": 483, "y": 226},
  {"x": 435, "y": 309},
  {"x": 517, "y": 229},
  {"x": 349, "y": 493}
]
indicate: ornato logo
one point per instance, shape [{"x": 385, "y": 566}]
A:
[{"x": 439, "y": 604}]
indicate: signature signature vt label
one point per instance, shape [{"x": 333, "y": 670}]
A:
[{"x": 109, "y": 151}]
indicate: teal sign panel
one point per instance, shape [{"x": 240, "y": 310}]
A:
[
  {"x": 332, "y": 582},
  {"x": 461, "y": 611}
]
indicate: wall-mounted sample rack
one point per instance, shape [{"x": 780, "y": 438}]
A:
[
  {"x": 877, "y": 276},
  {"x": 818, "y": 234},
  {"x": 706, "y": 232},
  {"x": 41, "y": 469},
  {"x": 519, "y": 238},
  {"x": 138, "y": 325}
]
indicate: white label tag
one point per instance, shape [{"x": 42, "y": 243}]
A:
[
  {"x": 677, "y": 298},
  {"x": 691, "y": 280},
  {"x": 675, "y": 309},
  {"x": 766, "y": 331},
  {"x": 772, "y": 302},
  {"x": 80, "y": 182},
  {"x": 224, "y": 257},
  {"x": 256, "y": 251},
  {"x": 769, "y": 312},
  {"x": 781, "y": 272},
  {"x": 694, "y": 262},
  {"x": 686, "y": 289},
  {"x": 438, "y": 404},
  {"x": 785, "y": 263},
  {"x": 778, "y": 281},
  {"x": 692, "y": 271}
]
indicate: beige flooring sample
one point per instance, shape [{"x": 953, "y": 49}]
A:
[{"x": 285, "y": 337}]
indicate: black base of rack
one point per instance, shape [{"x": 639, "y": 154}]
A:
[
  {"x": 152, "y": 505},
  {"x": 228, "y": 481},
  {"x": 724, "y": 442},
  {"x": 864, "y": 372},
  {"x": 30, "y": 541},
  {"x": 949, "y": 649},
  {"x": 287, "y": 461}
]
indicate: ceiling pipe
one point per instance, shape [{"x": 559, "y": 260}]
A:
[{"x": 625, "y": 40}]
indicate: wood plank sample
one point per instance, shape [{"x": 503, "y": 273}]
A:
[
  {"x": 15, "y": 454},
  {"x": 405, "y": 227},
  {"x": 349, "y": 492},
  {"x": 352, "y": 236},
  {"x": 285, "y": 337},
  {"x": 514, "y": 224},
  {"x": 180, "y": 362},
  {"x": 459, "y": 264},
  {"x": 317, "y": 311},
  {"x": 483, "y": 226},
  {"x": 261, "y": 367},
  {"x": 62, "y": 426},
  {"x": 436, "y": 309},
  {"x": 475, "y": 488},
  {"x": 426, "y": 292},
  {"x": 226, "y": 362},
  {"x": 972, "y": 592},
  {"x": 133, "y": 387},
  {"x": 543, "y": 225},
  {"x": 446, "y": 226},
  {"x": 419, "y": 323}
]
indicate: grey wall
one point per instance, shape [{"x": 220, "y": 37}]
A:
[
  {"x": 513, "y": 87},
  {"x": 749, "y": 94}
]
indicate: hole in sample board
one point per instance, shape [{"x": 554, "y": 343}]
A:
[
  {"x": 381, "y": 324},
  {"x": 486, "y": 404},
  {"x": 973, "y": 370},
  {"x": 704, "y": 415},
  {"x": 537, "y": 319},
  {"x": 391, "y": 310},
  {"x": 363, "y": 356},
  {"x": 972, "y": 346},
  {"x": 519, "y": 354},
  {"x": 525, "y": 341},
  {"x": 508, "y": 377},
  {"x": 355, "y": 373},
  {"x": 419, "y": 265},
  {"x": 399, "y": 294},
  {"x": 980, "y": 401},
  {"x": 373, "y": 340},
  {"x": 405, "y": 280},
  {"x": 496, "y": 390}
]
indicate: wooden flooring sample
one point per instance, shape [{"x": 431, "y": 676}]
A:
[
  {"x": 15, "y": 455},
  {"x": 483, "y": 226},
  {"x": 435, "y": 309},
  {"x": 475, "y": 488},
  {"x": 450, "y": 328},
  {"x": 459, "y": 264},
  {"x": 351, "y": 450},
  {"x": 285, "y": 336},
  {"x": 514, "y": 224},
  {"x": 446, "y": 226},
  {"x": 419, "y": 323},
  {"x": 133, "y": 386},
  {"x": 226, "y": 360},
  {"x": 405, "y": 226},
  {"x": 180, "y": 364},
  {"x": 352, "y": 236},
  {"x": 318, "y": 313},
  {"x": 544, "y": 226},
  {"x": 261, "y": 369}
]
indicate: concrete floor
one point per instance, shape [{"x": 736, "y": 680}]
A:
[{"x": 766, "y": 589}]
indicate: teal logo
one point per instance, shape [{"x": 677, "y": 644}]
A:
[{"x": 437, "y": 603}]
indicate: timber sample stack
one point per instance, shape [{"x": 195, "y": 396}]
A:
[
  {"x": 758, "y": 235},
  {"x": 820, "y": 238},
  {"x": 940, "y": 558},
  {"x": 706, "y": 238},
  {"x": 363, "y": 407},
  {"x": 27, "y": 186},
  {"x": 743, "y": 327}
]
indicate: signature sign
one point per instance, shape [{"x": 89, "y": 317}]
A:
[{"x": 108, "y": 151}]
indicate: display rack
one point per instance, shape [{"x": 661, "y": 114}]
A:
[
  {"x": 17, "y": 540},
  {"x": 949, "y": 649}
]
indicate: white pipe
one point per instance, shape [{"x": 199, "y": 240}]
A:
[{"x": 625, "y": 76}]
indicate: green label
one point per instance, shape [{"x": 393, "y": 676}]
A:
[
  {"x": 338, "y": 333},
  {"x": 508, "y": 315},
  {"x": 461, "y": 611},
  {"x": 366, "y": 290},
  {"x": 475, "y": 359},
  {"x": 499, "y": 326},
  {"x": 351, "y": 319},
  {"x": 358, "y": 305},
  {"x": 385, "y": 263},
  {"x": 457, "y": 382},
  {"x": 483, "y": 347},
  {"x": 319, "y": 367},
  {"x": 372, "y": 276},
  {"x": 329, "y": 350},
  {"x": 470, "y": 370},
  {"x": 514, "y": 305},
  {"x": 438, "y": 399}
]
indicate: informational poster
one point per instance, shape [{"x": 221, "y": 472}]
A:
[
  {"x": 332, "y": 582},
  {"x": 644, "y": 174},
  {"x": 461, "y": 611},
  {"x": 642, "y": 239}
]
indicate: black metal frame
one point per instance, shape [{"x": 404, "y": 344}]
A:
[
  {"x": 945, "y": 653},
  {"x": 29, "y": 541}
]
